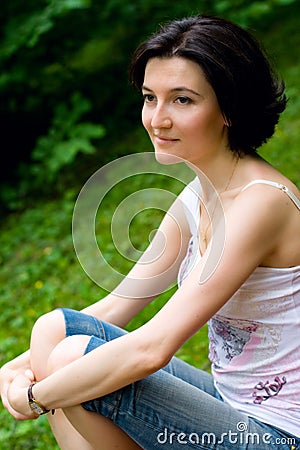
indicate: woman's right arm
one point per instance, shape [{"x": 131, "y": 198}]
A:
[{"x": 155, "y": 271}]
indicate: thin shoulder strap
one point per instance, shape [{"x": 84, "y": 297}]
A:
[{"x": 280, "y": 186}]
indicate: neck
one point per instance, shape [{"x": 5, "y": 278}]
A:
[{"x": 217, "y": 174}]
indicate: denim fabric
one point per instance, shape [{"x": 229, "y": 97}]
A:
[{"x": 176, "y": 407}]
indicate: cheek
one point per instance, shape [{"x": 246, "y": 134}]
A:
[
  {"x": 210, "y": 122},
  {"x": 146, "y": 120}
]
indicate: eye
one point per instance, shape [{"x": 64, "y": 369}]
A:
[
  {"x": 148, "y": 98},
  {"x": 183, "y": 100}
]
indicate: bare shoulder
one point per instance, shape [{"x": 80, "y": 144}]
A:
[
  {"x": 261, "y": 178},
  {"x": 266, "y": 193},
  {"x": 267, "y": 211}
]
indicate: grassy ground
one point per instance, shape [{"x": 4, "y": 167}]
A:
[{"x": 40, "y": 270}]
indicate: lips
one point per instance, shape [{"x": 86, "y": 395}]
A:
[{"x": 164, "y": 139}]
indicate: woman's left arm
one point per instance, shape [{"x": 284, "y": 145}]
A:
[{"x": 252, "y": 233}]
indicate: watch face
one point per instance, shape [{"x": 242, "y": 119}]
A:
[{"x": 36, "y": 408}]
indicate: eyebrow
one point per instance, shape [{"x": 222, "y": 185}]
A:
[{"x": 177, "y": 89}]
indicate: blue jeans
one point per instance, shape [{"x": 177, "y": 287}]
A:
[{"x": 176, "y": 407}]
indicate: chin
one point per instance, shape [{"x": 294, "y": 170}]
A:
[{"x": 167, "y": 158}]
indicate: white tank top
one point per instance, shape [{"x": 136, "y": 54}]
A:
[{"x": 254, "y": 338}]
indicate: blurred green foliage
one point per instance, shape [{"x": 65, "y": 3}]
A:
[
  {"x": 50, "y": 50},
  {"x": 63, "y": 71}
]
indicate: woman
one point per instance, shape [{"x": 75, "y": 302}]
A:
[{"x": 210, "y": 99}]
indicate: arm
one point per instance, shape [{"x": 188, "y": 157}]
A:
[
  {"x": 155, "y": 271},
  {"x": 250, "y": 224},
  {"x": 151, "y": 275}
]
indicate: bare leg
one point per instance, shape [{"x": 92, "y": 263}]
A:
[
  {"x": 67, "y": 437},
  {"x": 101, "y": 432},
  {"x": 47, "y": 332},
  {"x": 93, "y": 430}
]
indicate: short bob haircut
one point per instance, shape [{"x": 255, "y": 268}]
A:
[{"x": 250, "y": 95}]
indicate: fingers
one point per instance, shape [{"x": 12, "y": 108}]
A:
[
  {"x": 14, "y": 381},
  {"x": 30, "y": 375},
  {"x": 4, "y": 396},
  {"x": 18, "y": 416},
  {"x": 10, "y": 409}
]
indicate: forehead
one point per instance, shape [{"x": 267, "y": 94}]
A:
[{"x": 175, "y": 71}]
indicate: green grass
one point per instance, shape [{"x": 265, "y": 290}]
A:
[{"x": 40, "y": 270}]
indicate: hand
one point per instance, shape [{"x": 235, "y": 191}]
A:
[
  {"x": 7, "y": 375},
  {"x": 7, "y": 378}
]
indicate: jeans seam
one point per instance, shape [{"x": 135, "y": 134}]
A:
[{"x": 100, "y": 328}]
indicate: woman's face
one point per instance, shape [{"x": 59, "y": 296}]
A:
[{"x": 181, "y": 112}]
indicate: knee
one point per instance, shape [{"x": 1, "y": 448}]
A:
[
  {"x": 67, "y": 351},
  {"x": 50, "y": 325},
  {"x": 46, "y": 333}
]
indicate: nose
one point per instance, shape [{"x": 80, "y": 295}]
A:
[{"x": 161, "y": 117}]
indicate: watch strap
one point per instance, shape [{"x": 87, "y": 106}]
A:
[{"x": 32, "y": 400}]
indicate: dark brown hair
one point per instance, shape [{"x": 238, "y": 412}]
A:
[{"x": 250, "y": 95}]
